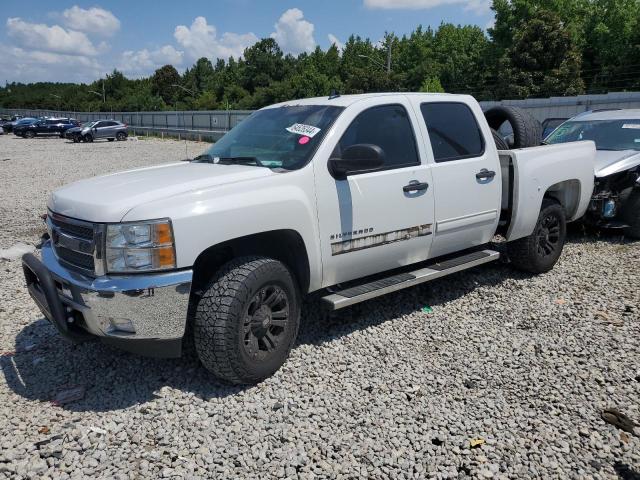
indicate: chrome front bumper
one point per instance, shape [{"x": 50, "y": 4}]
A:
[{"x": 144, "y": 313}]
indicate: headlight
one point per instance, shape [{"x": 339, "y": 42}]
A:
[{"x": 140, "y": 246}]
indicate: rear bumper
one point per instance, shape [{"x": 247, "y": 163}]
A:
[{"x": 145, "y": 314}]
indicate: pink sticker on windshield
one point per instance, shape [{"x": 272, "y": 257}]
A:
[{"x": 304, "y": 140}]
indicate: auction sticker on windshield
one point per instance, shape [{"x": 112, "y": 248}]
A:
[
  {"x": 632, "y": 125},
  {"x": 302, "y": 129}
]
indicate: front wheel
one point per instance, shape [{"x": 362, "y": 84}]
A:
[
  {"x": 540, "y": 251},
  {"x": 88, "y": 138},
  {"x": 29, "y": 134},
  {"x": 121, "y": 136},
  {"x": 247, "y": 320}
]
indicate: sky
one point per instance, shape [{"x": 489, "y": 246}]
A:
[{"x": 77, "y": 41}]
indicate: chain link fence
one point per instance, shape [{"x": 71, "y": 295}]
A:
[{"x": 211, "y": 125}]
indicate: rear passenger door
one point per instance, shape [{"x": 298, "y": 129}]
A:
[
  {"x": 466, "y": 175},
  {"x": 375, "y": 220}
]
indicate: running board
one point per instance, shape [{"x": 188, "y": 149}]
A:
[{"x": 360, "y": 293}]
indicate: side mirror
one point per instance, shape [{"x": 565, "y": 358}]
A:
[{"x": 363, "y": 157}]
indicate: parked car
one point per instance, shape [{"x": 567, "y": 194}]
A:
[
  {"x": 109, "y": 129},
  {"x": 5, "y": 121},
  {"x": 48, "y": 126},
  {"x": 75, "y": 133},
  {"x": 355, "y": 197},
  {"x": 550, "y": 124},
  {"x": 8, "y": 127},
  {"x": 616, "y": 198}
]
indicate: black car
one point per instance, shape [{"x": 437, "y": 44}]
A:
[{"x": 49, "y": 126}]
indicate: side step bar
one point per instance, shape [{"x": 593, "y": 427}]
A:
[{"x": 360, "y": 293}]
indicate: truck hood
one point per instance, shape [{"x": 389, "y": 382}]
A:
[
  {"x": 108, "y": 198},
  {"x": 609, "y": 162}
]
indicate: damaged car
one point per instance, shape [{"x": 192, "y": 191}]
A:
[{"x": 616, "y": 197}]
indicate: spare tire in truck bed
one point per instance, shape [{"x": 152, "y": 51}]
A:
[
  {"x": 527, "y": 131},
  {"x": 501, "y": 144}
]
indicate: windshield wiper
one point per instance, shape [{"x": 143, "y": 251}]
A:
[
  {"x": 208, "y": 158},
  {"x": 241, "y": 160}
]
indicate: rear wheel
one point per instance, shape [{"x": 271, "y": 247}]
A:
[
  {"x": 29, "y": 134},
  {"x": 631, "y": 214},
  {"x": 88, "y": 138},
  {"x": 120, "y": 136},
  {"x": 540, "y": 251},
  {"x": 76, "y": 138},
  {"x": 62, "y": 135},
  {"x": 247, "y": 320}
]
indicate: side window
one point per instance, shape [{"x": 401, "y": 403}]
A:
[
  {"x": 453, "y": 131},
  {"x": 388, "y": 127}
]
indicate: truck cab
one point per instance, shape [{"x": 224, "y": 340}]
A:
[{"x": 352, "y": 196}]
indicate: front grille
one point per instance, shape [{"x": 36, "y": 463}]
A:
[
  {"x": 84, "y": 231},
  {"x": 74, "y": 241},
  {"x": 75, "y": 258}
]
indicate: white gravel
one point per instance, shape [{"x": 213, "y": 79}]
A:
[{"x": 524, "y": 364}]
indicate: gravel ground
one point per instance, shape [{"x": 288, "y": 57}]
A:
[{"x": 521, "y": 366}]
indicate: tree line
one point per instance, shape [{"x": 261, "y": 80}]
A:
[{"x": 536, "y": 48}]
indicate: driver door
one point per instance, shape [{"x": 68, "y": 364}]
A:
[{"x": 377, "y": 220}]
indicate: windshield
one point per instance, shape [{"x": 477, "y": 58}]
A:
[
  {"x": 26, "y": 121},
  {"x": 281, "y": 137},
  {"x": 607, "y": 134}
]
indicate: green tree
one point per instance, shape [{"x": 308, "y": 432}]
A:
[
  {"x": 542, "y": 61},
  {"x": 162, "y": 81}
]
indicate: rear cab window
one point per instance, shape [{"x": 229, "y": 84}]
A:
[
  {"x": 387, "y": 126},
  {"x": 453, "y": 130}
]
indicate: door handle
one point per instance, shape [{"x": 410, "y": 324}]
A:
[
  {"x": 413, "y": 187},
  {"x": 485, "y": 174}
]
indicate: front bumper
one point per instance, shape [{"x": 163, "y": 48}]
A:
[{"x": 145, "y": 314}]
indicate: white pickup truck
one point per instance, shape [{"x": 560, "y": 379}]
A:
[{"x": 354, "y": 196}]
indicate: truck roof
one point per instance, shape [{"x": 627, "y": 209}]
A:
[{"x": 346, "y": 100}]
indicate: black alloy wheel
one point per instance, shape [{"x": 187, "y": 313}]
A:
[
  {"x": 265, "y": 322},
  {"x": 548, "y": 235}
]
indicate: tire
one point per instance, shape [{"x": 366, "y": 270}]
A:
[
  {"x": 111, "y": 139},
  {"x": 88, "y": 138},
  {"x": 540, "y": 251},
  {"x": 62, "y": 135},
  {"x": 76, "y": 138},
  {"x": 527, "y": 131},
  {"x": 234, "y": 333},
  {"x": 29, "y": 134},
  {"x": 121, "y": 136},
  {"x": 630, "y": 214},
  {"x": 501, "y": 144}
]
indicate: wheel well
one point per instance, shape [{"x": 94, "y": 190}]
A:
[
  {"x": 286, "y": 246},
  {"x": 567, "y": 194}
]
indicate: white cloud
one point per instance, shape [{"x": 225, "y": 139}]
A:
[
  {"x": 55, "y": 39},
  {"x": 201, "y": 40},
  {"x": 293, "y": 33},
  {"x": 94, "y": 20},
  {"x": 143, "y": 62},
  {"x": 27, "y": 65},
  {"x": 333, "y": 40},
  {"x": 478, "y": 6}
]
